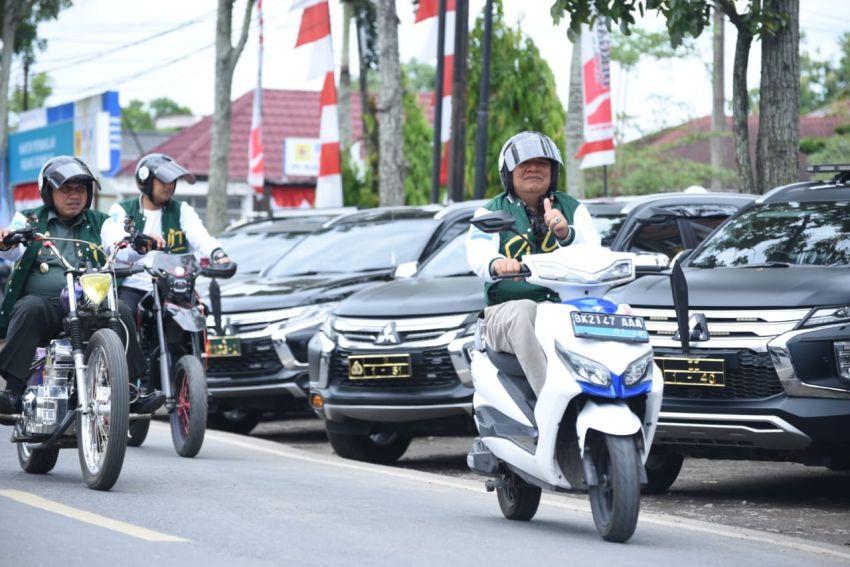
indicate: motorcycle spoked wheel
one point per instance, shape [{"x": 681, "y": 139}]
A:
[
  {"x": 37, "y": 461},
  {"x": 189, "y": 419},
  {"x": 615, "y": 501},
  {"x": 518, "y": 499},
  {"x": 102, "y": 429}
]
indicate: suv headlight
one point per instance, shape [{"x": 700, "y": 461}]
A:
[
  {"x": 328, "y": 327},
  {"x": 311, "y": 316},
  {"x": 588, "y": 370},
  {"x": 827, "y": 315},
  {"x": 638, "y": 370}
]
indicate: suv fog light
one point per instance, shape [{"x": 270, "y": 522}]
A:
[
  {"x": 317, "y": 402},
  {"x": 842, "y": 359}
]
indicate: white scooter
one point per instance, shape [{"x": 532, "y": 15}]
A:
[{"x": 593, "y": 424}]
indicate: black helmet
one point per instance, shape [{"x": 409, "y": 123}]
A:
[
  {"x": 523, "y": 147},
  {"x": 63, "y": 169},
  {"x": 162, "y": 167}
]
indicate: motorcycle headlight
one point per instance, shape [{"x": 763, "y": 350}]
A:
[
  {"x": 638, "y": 370},
  {"x": 95, "y": 286},
  {"x": 588, "y": 370},
  {"x": 827, "y": 315}
]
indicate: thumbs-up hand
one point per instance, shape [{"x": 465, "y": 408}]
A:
[{"x": 555, "y": 220}]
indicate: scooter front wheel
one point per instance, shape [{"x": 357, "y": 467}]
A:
[
  {"x": 189, "y": 419},
  {"x": 518, "y": 499},
  {"x": 615, "y": 500}
]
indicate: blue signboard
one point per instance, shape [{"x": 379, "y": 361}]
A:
[{"x": 30, "y": 149}]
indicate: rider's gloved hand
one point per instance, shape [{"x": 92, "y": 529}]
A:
[
  {"x": 142, "y": 243},
  {"x": 3, "y": 234}
]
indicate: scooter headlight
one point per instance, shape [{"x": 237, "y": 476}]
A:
[
  {"x": 587, "y": 370},
  {"x": 638, "y": 370}
]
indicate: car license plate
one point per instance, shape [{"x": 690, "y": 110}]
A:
[
  {"x": 378, "y": 366},
  {"x": 684, "y": 371},
  {"x": 220, "y": 347},
  {"x": 624, "y": 328}
]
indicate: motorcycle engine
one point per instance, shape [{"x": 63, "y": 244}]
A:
[{"x": 45, "y": 405}]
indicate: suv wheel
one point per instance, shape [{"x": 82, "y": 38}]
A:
[
  {"x": 383, "y": 448},
  {"x": 661, "y": 472}
]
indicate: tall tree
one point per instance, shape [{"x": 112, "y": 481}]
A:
[
  {"x": 718, "y": 100},
  {"x": 164, "y": 106},
  {"x": 226, "y": 57},
  {"x": 390, "y": 134},
  {"x": 19, "y": 22},
  {"x": 575, "y": 126},
  {"x": 344, "y": 99},
  {"x": 763, "y": 18},
  {"x": 40, "y": 89}
]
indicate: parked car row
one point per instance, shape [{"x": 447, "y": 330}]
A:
[{"x": 370, "y": 314}]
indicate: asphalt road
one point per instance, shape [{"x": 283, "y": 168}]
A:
[
  {"x": 248, "y": 501},
  {"x": 782, "y": 498}
]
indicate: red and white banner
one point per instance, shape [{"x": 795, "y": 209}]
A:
[
  {"x": 315, "y": 30},
  {"x": 598, "y": 147},
  {"x": 428, "y": 12},
  {"x": 256, "y": 160}
]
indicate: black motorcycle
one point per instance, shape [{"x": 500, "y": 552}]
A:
[
  {"x": 77, "y": 394},
  {"x": 172, "y": 328}
]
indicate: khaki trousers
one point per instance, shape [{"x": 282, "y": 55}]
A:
[{"x": 509, "y": 327}]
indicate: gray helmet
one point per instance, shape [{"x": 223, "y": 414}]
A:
[
  {"x": 523, "y": 147},
  {"x": 162, "y": 167},
  {"x": 64, "y": 169}
]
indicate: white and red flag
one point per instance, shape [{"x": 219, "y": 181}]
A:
[
  {"x": 256, "y": 160},
  {"x": 598, "y": 147},
  {"x": 428, "y": 12},
  {"x": 315, "y": 30}
]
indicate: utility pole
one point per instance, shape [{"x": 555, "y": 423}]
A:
[
  {"x": 457, "y": 155},
  {"x": 438, "y": 103},
  {"x": 718, "y": 112},
  {"x": 483, "y": 105}
]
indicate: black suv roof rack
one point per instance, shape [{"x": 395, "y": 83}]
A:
[{"x": 841, "y": 170}]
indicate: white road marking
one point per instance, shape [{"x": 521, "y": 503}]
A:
[
  {"x": 89, "y": 517},
  {"x": 558, "y": 501}
]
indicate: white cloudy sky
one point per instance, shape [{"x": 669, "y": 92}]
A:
[{"x": 166, "y": 48}]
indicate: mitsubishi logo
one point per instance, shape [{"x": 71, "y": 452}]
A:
[
  {"x": 388, "y": 335},
  {"x": 698, "y": 327}
]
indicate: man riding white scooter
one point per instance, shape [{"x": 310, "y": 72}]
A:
[{"x": 529, "y": 164}]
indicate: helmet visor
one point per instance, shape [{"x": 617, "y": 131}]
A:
[
  {"x": 529, "y": 146},
  {"x": 169, "y": 172},
  {"x": 56, "y": 176}
]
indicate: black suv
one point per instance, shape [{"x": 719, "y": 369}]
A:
[
  {"x": 767, "y": 375},
  {"x": 268, "y": 320}
]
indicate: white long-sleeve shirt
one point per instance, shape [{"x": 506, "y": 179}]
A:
[
  {"x": 482, "y": 248},
  {"x": 201, "y": 242}
]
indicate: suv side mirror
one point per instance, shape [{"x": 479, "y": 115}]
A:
[
  {"x": 405, "y": 270},
  {"x": 681, "y": 257},
  {"x": 499, "y": 221},
  {"x": 650, "y": 262}
]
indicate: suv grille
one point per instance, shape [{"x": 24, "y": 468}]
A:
[
  {"x": 258, "y": 358},
  {"x": 755, "y": 378},
  {"x": 430, "y": 369}
]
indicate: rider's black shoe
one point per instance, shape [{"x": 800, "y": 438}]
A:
[
  {"x": 10, "y": 403},
  {"x": 148, "y": 403}
]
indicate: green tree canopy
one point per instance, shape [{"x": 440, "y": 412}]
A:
[{"x": 40, "y": 88}]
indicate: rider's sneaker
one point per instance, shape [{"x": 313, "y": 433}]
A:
[
  {"x": 10, "y": 403},
  {"x": 148, "y": 403}
]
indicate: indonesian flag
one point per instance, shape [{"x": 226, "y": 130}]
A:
[
  {"x": 315, "y": 30},
  {"x": 428, "y": 12},
  {"x": 256, "y": 161},
  {"x": 598, "y": 147}
]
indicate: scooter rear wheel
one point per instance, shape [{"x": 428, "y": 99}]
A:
[
  {"x": 518, "y": 499},
  {"x": 615, "y": 501}
]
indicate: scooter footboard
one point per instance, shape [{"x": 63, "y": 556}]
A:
[{"x": 614, "y": 418}]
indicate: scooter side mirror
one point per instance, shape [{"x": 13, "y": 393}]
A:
[{"x": 498, "y": 221}]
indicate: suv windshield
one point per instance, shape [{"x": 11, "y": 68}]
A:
[
  {"x": 449, "y": 261},
  {"x": 781, "y": 234},
  {"x": 251, "y": 250},
  {"x": 361, "y": 247}
]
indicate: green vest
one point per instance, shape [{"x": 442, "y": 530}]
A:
[
  {"x": 512, "y": 246},
  {"x": 172, "y": 233},
  {"x": 89, "y": 231}
]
